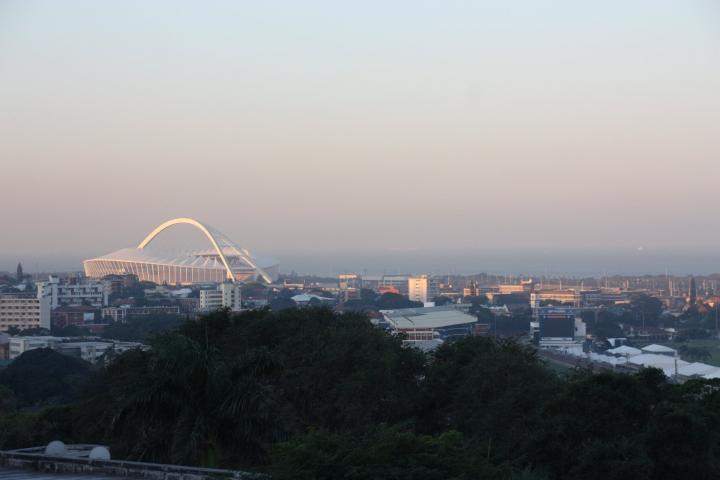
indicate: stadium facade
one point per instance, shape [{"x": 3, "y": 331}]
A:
[{"x": 224, "y": 261}]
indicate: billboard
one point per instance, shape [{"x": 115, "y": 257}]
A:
[{"x": 556, "y": 322}]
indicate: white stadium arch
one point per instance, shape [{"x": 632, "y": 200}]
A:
[{"x": 226, "y": 261}]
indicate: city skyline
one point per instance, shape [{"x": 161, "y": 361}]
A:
[{"x": 385, "y": 130}]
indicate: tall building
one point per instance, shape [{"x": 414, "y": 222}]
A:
[
  {"x": 349, "y": 285},
  {"x": 226, "y": 295},
  {"x": 400, "y": 282},
  {"x": 692, "y": 294},
  {"x": 422, "y": 289},
  {"x": 349, "y": 280},
  {"x": 23, "y": 311},
  {"x": 72, "y": 294}
]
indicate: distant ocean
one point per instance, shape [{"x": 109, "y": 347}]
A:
[{"x": 570, "y": 263}]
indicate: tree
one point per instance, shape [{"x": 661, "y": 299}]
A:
[
  {"x": 441, "y": 300},
  {"x": 394, "y": 301},
  {"x": 478, "y": 303},
  {"x": 282, "y": 303},
  {"x": 70, "y": 331},
  {"x": 485, "y": 388},
  {"x": 646, "y": 308},
  {"x": 248, "y": 381},
  {"x": 141, "y": 328},
  {"x": 309, "y": 393},
  {"x": 254, "y": 290},
  {"x": 382, "y": 452},
  {"x": 44, "y": 376},
  {"x": 694, "y": 353}
]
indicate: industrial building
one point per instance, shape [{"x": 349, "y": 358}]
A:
[{"x": 426, "y": 324}]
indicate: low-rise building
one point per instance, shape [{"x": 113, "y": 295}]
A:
[
  {"x": 525, "y": 286},
  {"x": 122, "y": 313},
  {"x": 78, "y": 315},
  {"x": 88, "y": 350},
  {"x": 116, "y": 284},
  {"x": 423, "y": 324},
  {"x": 559, "y": 327},
  {"x": 20, "y": 345},
  {"x": 73, "y": 293},
  {"x": 226, "y": 295},
  {"x": 23, "y": 311}
]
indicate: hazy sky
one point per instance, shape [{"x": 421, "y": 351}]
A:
[{"x": 338, "y": 126}]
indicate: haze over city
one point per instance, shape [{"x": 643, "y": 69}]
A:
[
  {"x": 399, "y": 240},
  {"x": 456, "y": 136}
]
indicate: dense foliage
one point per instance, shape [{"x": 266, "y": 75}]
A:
[
  {"x": 43, "y": 376},
  {"x": 370, "y": 301},
  {"x": 140, "y": 328},
  {"x": 312, "y": 394}
]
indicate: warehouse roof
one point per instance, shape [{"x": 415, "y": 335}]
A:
[
  {"x": 698, "y": 369},
  {"x": 625, "y": 350},
  {"x": 655, "y": 348},
  {"x": 429, "y": 317}
]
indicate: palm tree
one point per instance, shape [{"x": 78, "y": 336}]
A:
[{"x": 191, "y": 405}]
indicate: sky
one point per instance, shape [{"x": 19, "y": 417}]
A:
[{"x": 321, "y": 130}]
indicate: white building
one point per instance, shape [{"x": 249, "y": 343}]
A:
[
  {"x": 422, "y": 289},
  {"x": 431, "y": 323},
  {"x": 71, "y": 294},
  {"x": 123, "y": 312},
  {"x": 668, "y": 364},
  {"x": 660, "y": 350},
  {"x": 23, "y": 311},
  {"x": 227, "y": 295},
  {"x": 90, "y": 351},
  {"x": 20, "y": 345}
]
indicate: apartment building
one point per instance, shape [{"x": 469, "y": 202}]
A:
[{"x": 23, "y": 311}]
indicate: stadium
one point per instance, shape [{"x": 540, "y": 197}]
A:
[{"x": 223, "y": 261}]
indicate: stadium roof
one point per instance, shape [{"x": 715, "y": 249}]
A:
[
  {"x": 184, "y": 259},
  {"x": 224, "y": 255}
]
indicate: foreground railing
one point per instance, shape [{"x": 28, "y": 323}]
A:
[{"x": 29, "y": 459}]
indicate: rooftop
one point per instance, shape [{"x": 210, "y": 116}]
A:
[
  {"x": 655, "y": 348},
  {"x": 429, "y": 317}
]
